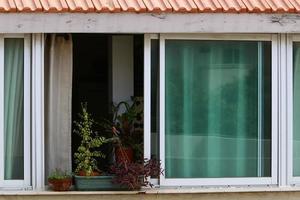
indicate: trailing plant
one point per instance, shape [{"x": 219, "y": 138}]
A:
[
  {"x": 136, "y": 174},
  {"x": 87, "y": 152}
]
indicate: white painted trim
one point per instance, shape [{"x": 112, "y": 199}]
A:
[
  {"x": 216, "y": 181},
  {"x": 292, "y": 180},
  {"x": 1, "y": 110},
  {"x": 221, "y": 181},
  {"x": 14, "y": 35},
  {"x": 153, "y": 36},
  {"x": 162, "y": 179},
  {"x": 217, "y": 36},
  {"x": 148, "y": 23},
  {"x": 147, "y": 96},
  {"x": 27, "y": 111},
  {"x": 290, "y": 80},
  {"x": 38, "y": 152},
  {"x": 274, "y": 122}
]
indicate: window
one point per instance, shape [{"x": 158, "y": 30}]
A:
[
  {"x": 293, "y": 112},
  {"x": 296, "y": 131},
  {"x": 14, "y": 111},
  {"x": 217, "y": 117}
]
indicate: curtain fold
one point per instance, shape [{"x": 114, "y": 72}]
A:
[
  {"x": 14, "y": 108},
  {"x": 58, "y": 102},
  {"x": 212, "y": 109}
]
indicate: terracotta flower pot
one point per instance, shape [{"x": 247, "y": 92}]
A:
[
  {"x": 124, "y": 154},
  {"x": 60, "y": 184}
]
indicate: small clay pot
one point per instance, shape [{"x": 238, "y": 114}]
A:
[{"x": 60, "y": 184}]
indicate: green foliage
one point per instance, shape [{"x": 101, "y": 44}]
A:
[
  {"x": 124, "y": 122},
  {"x": 122, "y": 126},
  {"x": 58, "y": 174},
  {"x": 87, "y": 152}
]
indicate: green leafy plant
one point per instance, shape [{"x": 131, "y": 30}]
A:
[
  {"x": 87, "y": 152},
  {"x": 58, "y": 174},
  {"x": 59, "y": 180},
  {"x": 123, "y": 128}
]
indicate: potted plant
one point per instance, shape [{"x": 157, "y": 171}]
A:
[
  {"x": 59, "y": 180},
  {"x": 128, "y": 138},
  {"x": 135, "y": 175},
  {"x": 88, "y": 176}
]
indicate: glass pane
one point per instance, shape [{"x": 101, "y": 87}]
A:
[
  {"x": 296, "y": 111},
  {"x": 14, "y": 108},
  {"x": 218, "y": 109},
  {"x": 154, "y": 98}
]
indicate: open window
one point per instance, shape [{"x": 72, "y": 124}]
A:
[{"x": 97, "y": 69}]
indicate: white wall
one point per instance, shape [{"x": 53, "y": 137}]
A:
[
  {"x": 148, "y": 23},
  {"x": 122, "y": 68}
]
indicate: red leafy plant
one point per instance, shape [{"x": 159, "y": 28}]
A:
[{"x": 134, "y": 175}]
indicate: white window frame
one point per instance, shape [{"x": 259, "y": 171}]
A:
[
  {"x": 147, "y": 99},
  {"x": 27, "y": 114},
  {"x": 291, "y": 38},
  {"x": 273, "y": 180}
]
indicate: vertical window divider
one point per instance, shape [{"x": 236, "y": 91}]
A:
[
  {"x": 290, "y": 80},
  {"x": 27, "y": 111},
  {"x": 260, "y": 114},
  {"x": 37, "y": 123},
  {"x": 282, "y": 104},
  {"x": 162, "y": 105},
  {"x": 275, "y": 107},
  {"x": 147, "y": 96}
]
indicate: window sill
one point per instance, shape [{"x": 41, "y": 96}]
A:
[{"x": 178, "y": 190}]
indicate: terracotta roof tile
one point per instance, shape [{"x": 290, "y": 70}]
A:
[
  {"x": 208, "y": 5},
  {"x": 233, "y": 5},
  {"x": 80, "y": 5},
  {"x": 257, "y": 6},
  {"x": 181, "y": 6},
  {"x": 28, "y": 5},
  {"x": 54, "y": 5},
  {"x": 158, "y": 5},
  {"x": 296, "y": 4},
  {"x": 281, "y": 6},
  {"x": 132, "y": 5},
  {"x": 106, "y": 5},
  {"x": 7, "y": 6}
]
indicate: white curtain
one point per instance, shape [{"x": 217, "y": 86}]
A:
[{"x": 58, "y": 99}]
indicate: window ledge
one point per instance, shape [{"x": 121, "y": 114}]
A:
[{"x": 173, "y": 190}]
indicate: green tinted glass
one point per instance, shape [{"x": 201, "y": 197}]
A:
[
  {"x": 218, "y": 109},
  {"x": 14, "y": 108}
]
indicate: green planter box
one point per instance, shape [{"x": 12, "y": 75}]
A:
[{"x": 95, "y": 183}]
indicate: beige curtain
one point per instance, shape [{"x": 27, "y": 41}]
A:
[{"x": 58, "y": 99}]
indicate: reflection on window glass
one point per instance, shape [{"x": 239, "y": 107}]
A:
[
  {"x": 14, "y": 108},
  {"x": 218, "y": 109}
]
